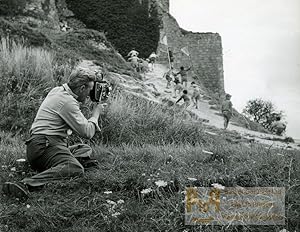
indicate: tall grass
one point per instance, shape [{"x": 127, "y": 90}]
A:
[
  {"x": 26, "y": 74},
  {"x": 134, "y": 120}
]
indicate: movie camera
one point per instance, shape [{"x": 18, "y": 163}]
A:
[{"x": 101, "y": 90}]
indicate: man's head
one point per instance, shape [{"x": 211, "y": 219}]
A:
[
  {"x": 278, "y": 118},
  {"x": 181, "y": 68},
  {"x": 185, "y": 91},
  {"x": 81, "y": 82}
]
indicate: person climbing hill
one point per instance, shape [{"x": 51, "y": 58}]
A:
[
  {"x": 183, "y": 74},
  {"x": 196, "y": 94},
  {"x": 227, "y": 110},
  {"x": 185, "y": 98},
  {"x": 132, "y": 53},
  {"x": 169, "y": 77},
  {"x": 152, "y": 59},
  {"x": 134, "y": 60}
]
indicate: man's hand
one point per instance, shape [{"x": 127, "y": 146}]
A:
[{"x": 98, "y": 109}]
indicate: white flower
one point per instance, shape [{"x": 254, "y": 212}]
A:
[
  {"x": 116, "y": 214},
  {"x": 145, "y": 191},
  {"x": 207, "y": 152},
  {"x": 69, "y": 132},
  {"x": 107, "y": 192},
  {"x": 28, "y": 206},
  {"x": 111, "y": 202},
  {"x": 218, "y": 186},
  {"x": 161, "y": 183},
  {"x": 192, "y": 179},
  {"x": 143, "y": 174},
  {"x": 21, "y": 160},
  {"x": 209, "y": 132},
  {"x": 13, "y": 169},
  {"x": 120, "y": 201}
]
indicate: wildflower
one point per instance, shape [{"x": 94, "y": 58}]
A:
[
  {"x": 116, "y": 214},
  {"x": 283, "y": 230},
  {"x": 28, "y": 206},
  {"x": 120, "y": 202},
  {"x": 143, "y": 174},
  {"x": 207, "y": 152},
  {"x": 210, "y": 133},
  {"x": 111, "y": 202},
  {"x": 107, "y": 192},
  {"x": 161, "y": 183},
  {"x": 145, "y": 191},
  {"x": 192, "y": 179},
  {"x": 13, "y": 169},
  {"x": 218, "y": 186}
]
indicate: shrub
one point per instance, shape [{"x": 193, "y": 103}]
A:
[
  {"x": 262, "y": 112},
  {"x": 127, "y": 24}
]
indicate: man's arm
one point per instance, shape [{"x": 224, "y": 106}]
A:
[{"x": 73, "y": 116}]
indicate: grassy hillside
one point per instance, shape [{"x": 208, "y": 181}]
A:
[{"x": 141, "y": 143}]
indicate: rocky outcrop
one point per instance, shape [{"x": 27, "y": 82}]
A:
[{"x": 36, "y": 13}]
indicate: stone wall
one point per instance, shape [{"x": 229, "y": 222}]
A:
[{"x": 205, "y": 51}]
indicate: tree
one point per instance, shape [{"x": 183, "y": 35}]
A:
[{"x": 261, "y": 111}]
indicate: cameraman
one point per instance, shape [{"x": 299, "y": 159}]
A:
[{"x": 47, "y": 149}]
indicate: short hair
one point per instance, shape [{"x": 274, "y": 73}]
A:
[
  {"x": 278, "y": 118},
  {"x": 185, "y": 91},
  {"x": 181, "y": 67},
  {"x": 79, "y": 77},
  {"x": 193, "y": 82}
]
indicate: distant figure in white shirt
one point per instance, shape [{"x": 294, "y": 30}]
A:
[
  {"x": 132, "y": 53},
  {"x": 152, "y": 59}
]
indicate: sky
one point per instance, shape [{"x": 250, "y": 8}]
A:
[{"x": 261, "y": 48}]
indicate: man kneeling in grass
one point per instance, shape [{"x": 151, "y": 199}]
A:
[{"x": 47, "y": 149}]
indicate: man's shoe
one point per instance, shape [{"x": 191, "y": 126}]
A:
[
  {"x": 90, "y": 164},
  {"x": 18, "y": 190}
]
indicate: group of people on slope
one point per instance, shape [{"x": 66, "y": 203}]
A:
[
  {"x": 139, "y": 64},
  {"x": 180, "y": 80}
]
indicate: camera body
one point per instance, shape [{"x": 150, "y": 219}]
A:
[{"x": 100, "y": 91}]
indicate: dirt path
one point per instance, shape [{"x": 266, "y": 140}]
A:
[{"x": 156, "y": 81}]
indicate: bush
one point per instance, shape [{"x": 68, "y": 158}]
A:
[
  {"x": 262, "y": 112},
  {"x": 127, "y": 24},
  {"x": 27, "y": 74}
]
